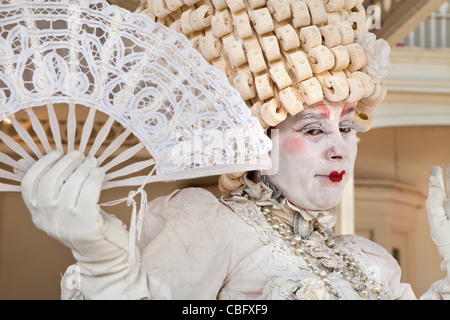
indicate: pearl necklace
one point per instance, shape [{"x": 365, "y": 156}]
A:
[{"x": 351, "y": 273}]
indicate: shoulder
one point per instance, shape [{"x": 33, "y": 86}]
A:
[
  {"x": 371, "y": 248},
  {"x": 188, "y": 202},
  {"x": 185, "y": 210},
  {"x": 386, "y": 265},
  {"x": 185, "y": 198},
  {"x": 377, "y": 256},
  {"x": 191, "y": 241}
]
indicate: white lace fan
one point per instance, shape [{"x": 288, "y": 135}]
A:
[{"x": 101, "y": 61}]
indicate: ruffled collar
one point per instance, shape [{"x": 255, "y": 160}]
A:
[{"x": 281, "y": 206}]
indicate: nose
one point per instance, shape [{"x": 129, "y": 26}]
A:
[{"x": 338, "y": 148}]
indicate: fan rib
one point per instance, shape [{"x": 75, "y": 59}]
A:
[
  {"x": 13, "y": 145},
  {"x": 4, "y": 158},
  {"x": 54, "y": 127},
  {"x": 26, "y": 137},
  {"x": 9, "y": 175},
  {"x": 113, "y": 146},
  {"x": 39, "y": 65},
  {"x": 71, "y": 127},
  {"x": 101, "y": 137},
  {"x": 74, "y": 27},
  {"x": 9, "y": 188},
  {"x": 87, "y": 129},
  {"x": 124, "y": 156},
  {"x": 40, "y": 132},
  {"x": 135, "y": 181},
  {"x": 132, "y": 168}
]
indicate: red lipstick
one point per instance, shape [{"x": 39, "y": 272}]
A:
[{"x": 336, "y": 176}]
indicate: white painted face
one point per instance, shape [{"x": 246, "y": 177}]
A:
[{"x": 317, "y": 151}]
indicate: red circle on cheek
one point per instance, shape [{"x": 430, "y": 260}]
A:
[{"x": 294, "y": 145}]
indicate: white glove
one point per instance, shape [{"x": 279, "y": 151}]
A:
[
  {"x": 438, "y": 210},
  {"x": 62, "y": 194}
]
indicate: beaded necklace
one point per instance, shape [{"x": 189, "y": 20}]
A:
[{"x": 297, "y": 236}]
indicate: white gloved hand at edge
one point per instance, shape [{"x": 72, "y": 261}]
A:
[
  {"x": 438, "y": 210},
  {"x": 62, "y": 194}
]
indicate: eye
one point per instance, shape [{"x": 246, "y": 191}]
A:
[
  {"x": 345, "y": 130},
  {"x": 313, "y": 132}
]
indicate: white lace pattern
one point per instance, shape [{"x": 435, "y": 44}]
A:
[{"x": 140, "y": 73}]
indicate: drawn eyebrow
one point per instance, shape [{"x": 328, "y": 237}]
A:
[
  {"x": 318, "y": 116},
  {"x": 347, "y": 111},
  {"x": 310, "y": 116}
]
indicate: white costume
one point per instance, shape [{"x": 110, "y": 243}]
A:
[
  {"x": 197, "y": 247},
  {"x": 250, "y": 244}
]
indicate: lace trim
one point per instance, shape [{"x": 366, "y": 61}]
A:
[
  {"x": 251, "y": 214},
  {"x": 142, "y": 74},
  {"x": 371, "y": 270},
  {"x": 325, "y": 258},
  {"x": 265, "y": 195}
]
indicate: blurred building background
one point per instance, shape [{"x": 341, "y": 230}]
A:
[
  {"x": 386, "y": 201},
  {"x": 411, "y": 134}
]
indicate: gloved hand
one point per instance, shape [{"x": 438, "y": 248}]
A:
[
  {"x": 62, "y": 194},
  {"x": 438, "y": 210}
]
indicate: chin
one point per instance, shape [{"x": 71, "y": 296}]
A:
[
  {"x": 322, "y": 204},
  {"x": 329, "y": 205},
  {"x": 327, "y": 201}
]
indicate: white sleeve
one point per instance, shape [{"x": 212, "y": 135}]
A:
[
  {"x": 107, "y": 272},
  {"x": 188, "y": 247},
  {"x": 192, "y": 243},
  {"x": 440, "y": 290}
]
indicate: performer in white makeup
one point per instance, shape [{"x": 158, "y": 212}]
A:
[
  {"x": 270, "y": 236},
  {"x": 321, "y": 145},
  {"x": 241, "y": 247}
]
